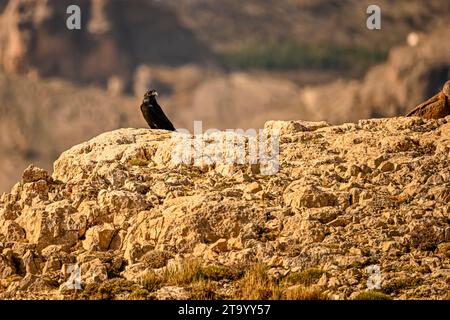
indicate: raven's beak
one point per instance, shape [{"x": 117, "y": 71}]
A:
[{"x": 155, "y": 94}]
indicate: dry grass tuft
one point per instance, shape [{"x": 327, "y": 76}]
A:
[{"x": 305, "y": 293}]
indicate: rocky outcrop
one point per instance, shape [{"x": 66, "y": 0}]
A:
[
  {"x": 372, "y": 193},
  {"x": 113, "y": 50}
]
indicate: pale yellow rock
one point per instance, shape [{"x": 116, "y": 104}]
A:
[
  {"x": 387, "y": 166},
  {"x": 343, "y": 195},
  {"x": 220, "y": 245},
  {"x": 52, "y": 224},
  {"x": 387, "y": 245},
  {"x": 172, "y": 293},
  {"x": 98, "y": 238},
  {"x": 32, "y": 174},
  {"x": 93, "y": 271},
  {"x": 355, "y": 251},
  {"x": 253, "y": 187}
]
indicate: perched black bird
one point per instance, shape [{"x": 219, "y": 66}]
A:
[{"x": 153, "y": 113}]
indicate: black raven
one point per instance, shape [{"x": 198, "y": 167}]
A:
[{"x": 153, "y": 113}]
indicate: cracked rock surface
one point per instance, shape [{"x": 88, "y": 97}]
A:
[{"x": 345, "y": 197}]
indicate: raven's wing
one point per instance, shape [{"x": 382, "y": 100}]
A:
[
  {"x": 420, "y": 108},
  {"x": 162, "y": 121},
  {"x": 146, "y": 112}
]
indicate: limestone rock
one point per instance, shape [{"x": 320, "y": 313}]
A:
[
  {"x": 93, "y": 271},
  {"x": 99, "y": 237},
  {"x": 345, "y": 197},
  {"x": 7, "y": 267},
  {"x": 33, "y": 174},
  {"x": 172, "y": 293}
]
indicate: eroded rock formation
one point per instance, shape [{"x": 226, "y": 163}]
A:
[{"x": 345, "y": 197}]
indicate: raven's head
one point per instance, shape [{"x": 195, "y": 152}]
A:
[
  {"x": 150, "y": 95},
  {"x": 446, "y": 89}
]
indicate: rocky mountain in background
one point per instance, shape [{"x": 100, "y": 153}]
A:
[
  {"x": 372, "y": 193},
  {"x": 226, "y": 25},
  {"x": 413, "y": 72},
  {"x": 117, "y": 37}
]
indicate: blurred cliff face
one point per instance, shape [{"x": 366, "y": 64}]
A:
[
  {"x": 227, "y": 63},
  {"x": 115, "y": 37},
  {"x": 118, "y": 37}
]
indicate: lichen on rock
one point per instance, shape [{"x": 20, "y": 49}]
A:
[{"x": 344, "y": 198}]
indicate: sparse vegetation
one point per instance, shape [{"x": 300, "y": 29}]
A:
[
  {"x": 189, "y": 271},
  {"x": 257, "y": 285},
  {"x": 152, "y": 281},
  {"x": 138, "y": 162},
  {"x": 372, "y": 295},
  {"x": 305, "y": 293},
  {"x": 203, "y": 290},
  {"x": 254, "y": 284},
  {"x": 307, "y": 277},
  {"x": 108, "y": 289},
  {"x": 193, "y": 275},
  {"x": 218, "y": 272},
  {"x": 424, "y": 238},
  {"x": 397, "y": 285},
  {"x": 290, "y": 55},
  {"x": 141, "y": 294},
  {"x": 156, "y": 259}
]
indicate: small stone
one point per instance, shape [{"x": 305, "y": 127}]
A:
[
  {"x": 253, "y": 187},
  {"x": 220, "y": 245},
  {"x": 99, "y": 237},
  {"x": 355, "y": 251},
  {"x": 172, "y": 293},
  {"x": 323, "y": 281},
  {"x": 30, "y": 264},
  {"x": 353, "y": 170},
  {"x": 387, "y": 245},
  {"x": 374, "y": 163},
  {"x": 33, "y": 174},
  {"x": 447, "y": 234},
  {"x": 339, "y": 222},
  {"x": 51, "y": 265},
  {"x": 387, "y": 166},
  {"x": 93, "y": 271},
  {"x": 333, "y": 283}
]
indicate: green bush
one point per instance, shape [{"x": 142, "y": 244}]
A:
[
  {"x": 397, "y": 285},
  {"x": 287, "y": 56},
  {"x": 372, "y": 295},
  {"x": 141, "y": 294},
  {"x": 108, "y": 289},
  {"x": 218, "y": 272},
  {"x": 152, "y": 281},
  {"x": 306, "y": 277}
]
